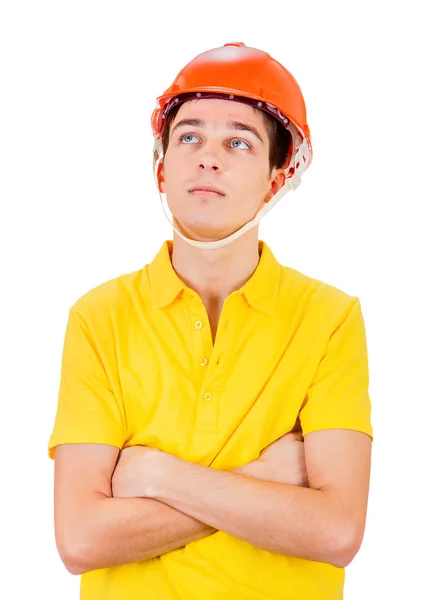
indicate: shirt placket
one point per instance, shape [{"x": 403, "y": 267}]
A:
[{"x": 208, "y": 360}]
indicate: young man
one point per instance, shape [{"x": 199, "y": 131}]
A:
[{"x": 176, "y": 475}]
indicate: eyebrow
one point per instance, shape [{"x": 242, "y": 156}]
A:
[{"x": 237, "y": 125}]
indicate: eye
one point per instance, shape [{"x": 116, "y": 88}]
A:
[
  {"x": 238, "y": 142},
  {"x": 187, "y": 137}
]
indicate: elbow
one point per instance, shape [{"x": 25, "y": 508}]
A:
[
  {"x": 74, "y": 556},
  {"x": 345, "y": 546},
  {"x": 73, "y": 563},
  {"x": 79, "y": 542},
  {"x": 73, "y": 567}
]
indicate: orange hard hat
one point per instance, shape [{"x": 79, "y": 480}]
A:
[{"x": 244, "y": 74}]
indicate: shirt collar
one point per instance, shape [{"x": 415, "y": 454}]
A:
[
  {"x": 165, "y": 283},
  {"x": 260, "y": 290}
]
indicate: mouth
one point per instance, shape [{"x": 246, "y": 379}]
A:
[{"x": 206, "y": 191}]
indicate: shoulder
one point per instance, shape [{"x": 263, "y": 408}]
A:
[
  {"x": 112, "y": 299},
  {"x": 315, "y": 296}
]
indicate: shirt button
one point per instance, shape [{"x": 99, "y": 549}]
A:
[
  {"x": 198, "y": 324},
  {"x": 207, "y": 396},
  {"x": 204, "y": 362}
]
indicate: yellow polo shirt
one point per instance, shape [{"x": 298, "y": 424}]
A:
[{"x": 139, "y": 367}]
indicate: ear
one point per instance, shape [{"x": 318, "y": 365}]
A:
[
  {"x": 277, "y": 183},
  {"x": 160, "y": 176}
]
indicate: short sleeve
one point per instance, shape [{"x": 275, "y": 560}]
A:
[
  {"x": 87, "y": 408},
  {"x": 338, "y": 396}
]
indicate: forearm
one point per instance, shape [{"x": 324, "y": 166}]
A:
[
  {"x": 117, "y": 531},
  {"x": 277, "y": 517}
]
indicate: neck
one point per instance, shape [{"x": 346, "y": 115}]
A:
[{"x": 215, "y": 274}]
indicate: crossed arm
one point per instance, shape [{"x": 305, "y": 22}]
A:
[
  {"x": 182, "y": 501},
  {"x": 95, "y": 530}
]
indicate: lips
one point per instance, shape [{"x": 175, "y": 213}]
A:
[{"x": 206, "y": 189}]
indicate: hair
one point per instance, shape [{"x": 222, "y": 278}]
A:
[{"x": 279, "y": 137}]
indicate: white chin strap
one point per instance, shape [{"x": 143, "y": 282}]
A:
[{"x": 290, "y": 184}]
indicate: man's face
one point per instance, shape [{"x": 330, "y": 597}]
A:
[{"x": 215, "y": 150}]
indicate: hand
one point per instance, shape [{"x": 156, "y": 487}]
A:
[
  {"x": 283, "y": 461},
  {"x": 134, "y": 472}
]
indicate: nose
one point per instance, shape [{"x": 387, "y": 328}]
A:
[
  {"x": 210, "y": 164},
  {"x": 209, "y": 161}
]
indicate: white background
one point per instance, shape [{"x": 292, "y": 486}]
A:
[{"x": 79, "y": 206}]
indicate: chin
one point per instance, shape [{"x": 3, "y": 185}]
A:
[{"x": 203, "y": 230}]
